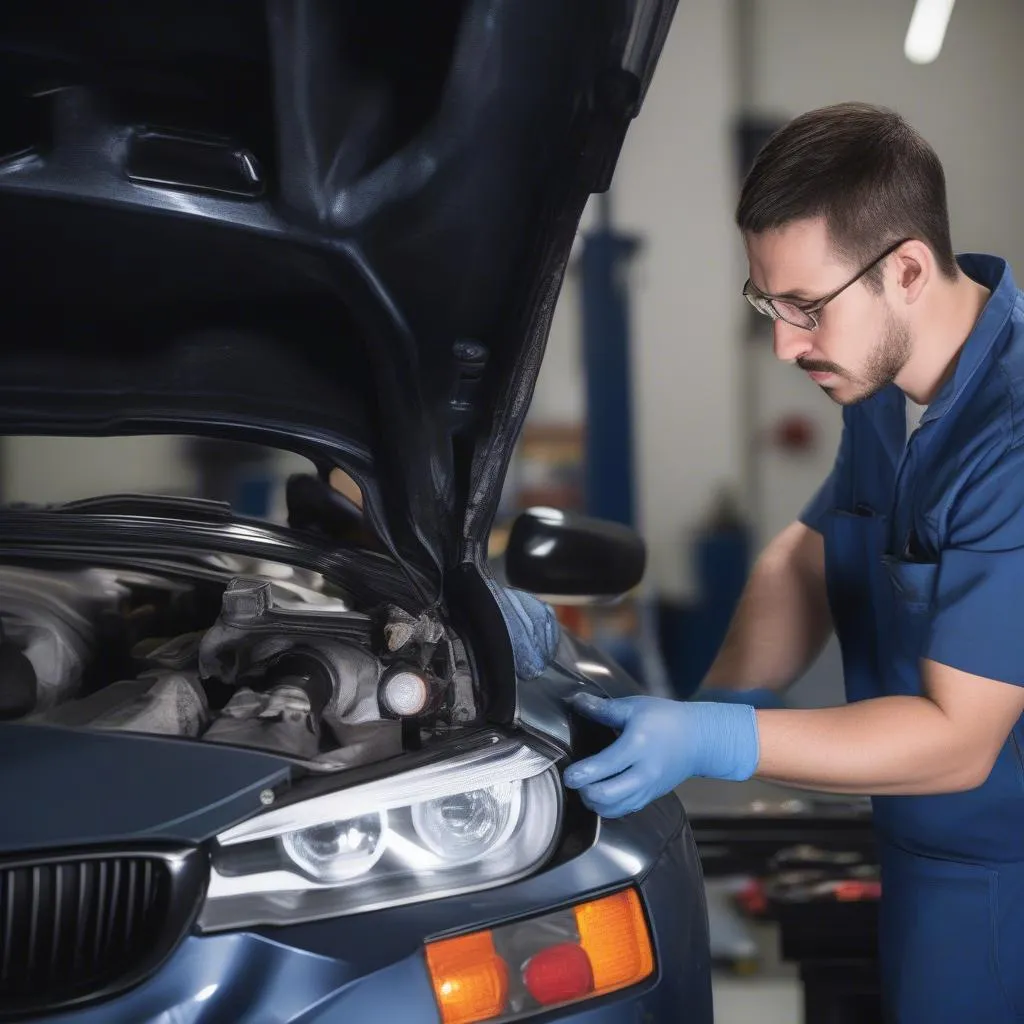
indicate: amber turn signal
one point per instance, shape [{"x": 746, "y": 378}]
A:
[{"x": 565, "y": 957}]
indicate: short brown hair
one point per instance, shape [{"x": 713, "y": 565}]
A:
[{"x": 865, "y": 170}]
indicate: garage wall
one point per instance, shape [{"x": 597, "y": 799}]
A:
[{"x": 46, "y": 469}]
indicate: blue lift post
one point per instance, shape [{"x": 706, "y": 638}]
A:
[
  {"x": 609, "y": 490},
  {"x": 675, "y": 654},
  {"x": 608, "y": 445}
]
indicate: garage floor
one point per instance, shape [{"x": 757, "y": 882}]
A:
[{"x": 771, "y": 996}]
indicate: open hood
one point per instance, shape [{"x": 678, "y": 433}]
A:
[{"x": 335, "y": 226}]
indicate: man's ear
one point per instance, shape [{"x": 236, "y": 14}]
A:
[{"x": 913, "y": 266}]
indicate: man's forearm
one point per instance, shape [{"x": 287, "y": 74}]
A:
[
  {"x": 783, "y": 619},
  {"x": 889, "y": 745}
]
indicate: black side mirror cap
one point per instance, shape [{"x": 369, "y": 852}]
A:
[{"x": 564, "y": 555}]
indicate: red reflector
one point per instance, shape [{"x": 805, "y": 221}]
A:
[{"x": 559, "y": 974}]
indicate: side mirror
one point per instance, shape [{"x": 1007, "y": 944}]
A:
[{"x": 563, "y": 555}]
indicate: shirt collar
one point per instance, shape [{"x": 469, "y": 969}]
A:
[{"x": 994, "y": 274}]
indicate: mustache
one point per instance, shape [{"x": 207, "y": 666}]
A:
[{"x": 818, "y": 366}]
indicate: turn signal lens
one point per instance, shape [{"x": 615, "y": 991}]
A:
[
  {"x": 557, "y": 959},
  {"x": 470, "y": 979},
  {"x": 613, "y": 932}
]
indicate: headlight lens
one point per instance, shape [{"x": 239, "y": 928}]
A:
[
  {"x": 480, "y": 819},
  {"x": 464, "y": 826},
  {"x": 339, "y": 850}
]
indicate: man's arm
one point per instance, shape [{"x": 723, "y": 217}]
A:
[
  {"x": 943, "y": 742},
  {"x": 946, "y": 741},
  {"x": 783, "y": 618}
]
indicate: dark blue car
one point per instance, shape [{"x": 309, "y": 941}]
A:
[{"x": 312, "y": 772}]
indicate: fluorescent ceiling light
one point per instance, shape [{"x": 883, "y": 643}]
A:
[{"x": 927, "y": 30}]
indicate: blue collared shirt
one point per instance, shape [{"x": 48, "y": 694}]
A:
[{"x": 953, "y": 496}]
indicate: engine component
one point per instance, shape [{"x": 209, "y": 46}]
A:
[
  {"x": 405, "y": 693},
  {"x": 281, "y": 720},
  {"x": 286, "y": 716},
  {"x": 179, "y": 652},
  {"x": 58, "y": 618},
  {"x": 362, "y": 744},
  {"x": 304, "y": 670},
  {"x": 17, "y": 681},
  {"x": 355, "y": 675},
  {"x": 83, "y": 712},
  {"x": 403, "y": 629},
  {"x": 159, "y": 703},
  {"x": 291, "y": 666},
  {"x": 254, "y": 629},
  {"x": 251, "y": 611},
  {"x": 45, "y": 616}
]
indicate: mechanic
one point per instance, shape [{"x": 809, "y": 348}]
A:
[{"x": 912, "y": 551}]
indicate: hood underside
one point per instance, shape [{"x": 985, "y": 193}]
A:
[{"x": 335, "y": 227}]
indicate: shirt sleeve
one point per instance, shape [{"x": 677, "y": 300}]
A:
[
  {"x": 977, "y": 620},
  {"x": 825, "y": 499}
]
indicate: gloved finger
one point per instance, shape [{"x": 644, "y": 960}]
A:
[
  {"x": 625, "y": 788},
  {"x": 610, "y": 712},
  {"x": 609, "y": 811},
  {"x": 614, "y": 759},
  {"x": 610, "y": 808}
]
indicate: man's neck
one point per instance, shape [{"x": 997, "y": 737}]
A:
[{"x": 939, "y": 337}]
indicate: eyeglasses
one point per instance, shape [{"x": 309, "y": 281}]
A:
[{"x": 805, "y": 315}]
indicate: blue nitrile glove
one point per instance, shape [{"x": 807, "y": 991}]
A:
[
  {"x": 533, "y": 630},
  {"x": 761, "y": 697},
  {"x": 662, "y": 743}
]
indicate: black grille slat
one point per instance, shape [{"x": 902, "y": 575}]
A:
[
  {"x": 148, "y": 891},
  {"x": 81, "y": 914},
  {"x": 133, "y": 910},
  {"x": 100, "y": 903},
  {"x": 35, "y": 908},
  {"x": 57, "y": 922},
  {"x": 109, "y": 909},
  {"x": 76, "y": 928}
]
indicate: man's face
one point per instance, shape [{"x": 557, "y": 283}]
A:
[{"x": 860, "y": 345}]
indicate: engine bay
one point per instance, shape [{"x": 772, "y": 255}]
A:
[{"x": 235, "y": 651}]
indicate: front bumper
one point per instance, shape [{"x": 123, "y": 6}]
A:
[{"x": 371, "y": 966}]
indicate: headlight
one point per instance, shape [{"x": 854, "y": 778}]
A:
[{"x": 480, "y": 819}]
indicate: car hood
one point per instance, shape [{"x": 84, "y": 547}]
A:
[{"x": 332, "y": 227}]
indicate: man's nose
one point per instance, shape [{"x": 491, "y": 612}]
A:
[{"x": 790, "y": 342}]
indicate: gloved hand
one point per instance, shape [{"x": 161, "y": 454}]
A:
[
  {"x": 662, "y": 743},
  {"x": 533, "y": 629},
  {"x": 760, "y": 697}
]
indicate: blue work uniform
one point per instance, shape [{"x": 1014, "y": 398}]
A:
[{"x": 924, "y": 554}]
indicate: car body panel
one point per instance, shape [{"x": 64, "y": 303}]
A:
[{"x": 66, "y": 788}]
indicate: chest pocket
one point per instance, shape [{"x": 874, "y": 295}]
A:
[
  {"x": 881, "y": 607},
  {"x": 908, "y": 609}
]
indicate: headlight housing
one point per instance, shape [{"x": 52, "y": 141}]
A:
[{"x": 482, "y": 818}]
